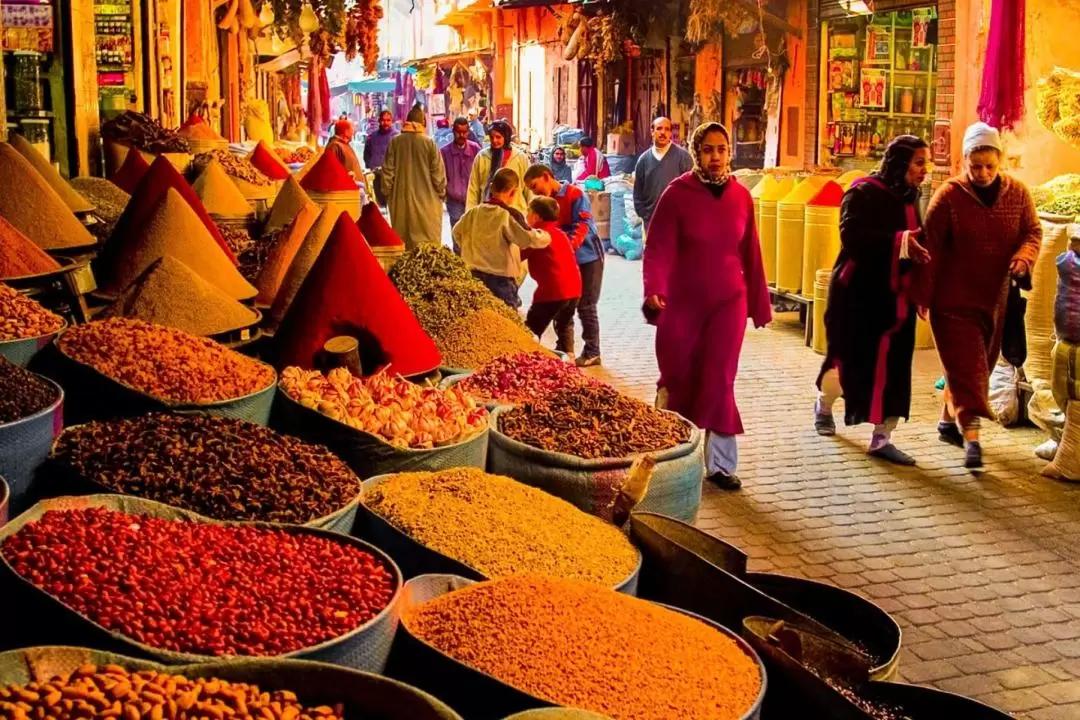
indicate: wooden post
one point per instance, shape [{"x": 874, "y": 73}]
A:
[{"x": 86, "y": 107}]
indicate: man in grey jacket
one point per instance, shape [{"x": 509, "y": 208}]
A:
[{"x": 656, "y": 168}]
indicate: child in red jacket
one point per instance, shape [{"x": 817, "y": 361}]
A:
[{"x": 555, "y": 270}]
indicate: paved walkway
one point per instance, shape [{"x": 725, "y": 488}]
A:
[{"x": 981, "y": 572}]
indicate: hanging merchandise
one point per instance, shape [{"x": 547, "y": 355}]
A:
[
  {"x": 1001, "y": 103},
  {"x": 708, "y": 17},
  {"x": 362, "y": 33}
]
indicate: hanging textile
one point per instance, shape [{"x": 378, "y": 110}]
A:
[
  {"x": 1001, "y": 103},
  {"x": 587, "y": 98}
]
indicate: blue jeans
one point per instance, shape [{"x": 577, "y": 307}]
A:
[
  {"x": 504, "y": 288},
  {"x": 455, "y": 209}
]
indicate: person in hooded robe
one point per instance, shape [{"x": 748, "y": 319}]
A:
[
  {"x": 414, "y": 180},
  {"x": 981, "y": 229},
  {"x": 703, "y": 277},
  {"x": 870, "y": 317},
  {"x": 560, "y": 169}
]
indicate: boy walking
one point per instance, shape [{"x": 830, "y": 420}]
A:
[
  {"x": 555, "y": 270},
  {"x": 575, "y": 219},
  {"x": 492, "y": 234}
]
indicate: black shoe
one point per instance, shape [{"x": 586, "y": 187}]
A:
[
  {"x": 973, "y": 456},
  {"x": 725, "y": 481},
  {"x": 824, "y": 424},
  {"x": 892, "y": 454},
  {"x": 948, "y": 432}
]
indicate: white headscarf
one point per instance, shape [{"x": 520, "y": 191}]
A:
[{"x": 981, "y": 135}]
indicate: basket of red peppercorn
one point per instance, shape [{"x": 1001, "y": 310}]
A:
[
  {"x": 239, "y": 690},
  {"x": 140, "y": 577}
]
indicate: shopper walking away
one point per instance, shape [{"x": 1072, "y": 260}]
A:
[
  {"x": 492, "y": 234},
  {"x": 340, "y": 145},
  {"x": 559, "y": 167},
  {"x": 592, "y": 161},
  {"x": 555, "y": 270},
  {"x": 981, "y": 229},
  {"x": 415, "y": 183},
  {"x": 499, "y": 154},
  {"x": 656, "y": 168},
  {"x": 375, "y": 146},
  {"x": 870, "y": 318},
  {"x": 575, "y": 219},
  {"x": 703, "y": 278},
  {"x": 458, "y": 157}
]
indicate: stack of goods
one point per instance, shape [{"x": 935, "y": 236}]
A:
[
  {"x": 165, "y": 363},
  {"x": 22, "y": 393},
  {"x": 481, "y": 336},
  {"x": 159, "y": 693},
  {"x": 594, "y": 422},
  {"x": 1065, "y": 380},
  {"x": 170, "y": 293},
  {"x": 109, "y": 202},
  {"x": 522, "y": 377},
  {"x": 298, "y": 156},
  {"x": 347, "y": 293},
  {"x": 171, "y": 228},
  {"x": 575, "y": 644},
  {"x": 32, "y": 206},
  {"x": 221, "y": 468},
  {"x": 328, "y": 182},
  {"x": 200, "y": 136},
  {"x": 203, "y": 588},
  {"x": 1039, "y": 322},
  {"x": 384, "y": 242},
  {"x": 143, "y": 132},
  {"x": 284, "y": 245},
  {"x": 21, "y": 317},
  {"x": 401, "y": 413},
  {"x": 499, "y": 527},
  {"x": 75, "y": 202},
  {"x": 766, "y": 194},
  {"x": 131, "y": 172},
  {"x": 252, "y": 183},
  {"x": 286, "y": 205},
  {"x": 1068, "y": 184},
  {"x": 158, "y": 180},
  {"x": 268, "y": 162},
  {"x": 19, "y": 256},
  {"x": 303, "y": 260}
]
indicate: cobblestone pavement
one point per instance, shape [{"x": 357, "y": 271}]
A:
[{"x": 980, "y": 571}]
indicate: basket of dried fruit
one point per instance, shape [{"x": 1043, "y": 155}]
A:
[
  {"x": 25, "y": 326},
  {"x": 243, "y": 689},
  {"x": 122, "y": 367},
  {"x": 31, "y": 415},
  {"x": 220, "y": 468},
  {"x": 580, "y": 443},
  {"x": 205, "y": 589},
  {"x": 519, "y": 377}
]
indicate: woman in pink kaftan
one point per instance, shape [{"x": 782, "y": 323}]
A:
[{"x": 703, "y": 278}]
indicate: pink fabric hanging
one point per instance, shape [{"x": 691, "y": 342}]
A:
[{"x": 1001, "y": 103}]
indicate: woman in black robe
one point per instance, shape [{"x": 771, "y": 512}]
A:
[{"x": 870, "y": 321}]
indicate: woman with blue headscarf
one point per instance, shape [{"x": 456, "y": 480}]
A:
[{"x": 870, "y": 319}]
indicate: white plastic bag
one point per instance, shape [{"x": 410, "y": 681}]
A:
[{"x": 1005, "y": 393}]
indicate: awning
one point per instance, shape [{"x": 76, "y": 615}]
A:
[
  {"x": 372, "y": 85},
  {"x": 287, "y": 59},
  {"x": 449, "y": 57}
]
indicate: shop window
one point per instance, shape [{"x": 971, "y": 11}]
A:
[{"x": 878, "y": 80}]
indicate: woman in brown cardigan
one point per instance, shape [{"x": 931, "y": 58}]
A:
[{"x": 981, "y": 229}]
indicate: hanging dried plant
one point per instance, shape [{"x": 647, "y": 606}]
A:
[
  {"x": 362, "y": 33},
  {"x": 707, "y": 17},
  {"x": 604, "y": 39},
  {"x": 331, "y": 14}
]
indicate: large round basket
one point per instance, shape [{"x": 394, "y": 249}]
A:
[
  {"x": 476, "y": 694},
  {"x": 416, "y": 559},
  {"x": 365, "y": 695},
  {"x": 364, "y": 648},
  {"x": 5, "y": 502},
  {"x": 24, "y": 446},
  {"x": 20, "y": 352}
]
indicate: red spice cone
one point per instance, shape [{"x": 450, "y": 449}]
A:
[
  {"x": 328, "y": 175},
  {"x": 193, "y": 119},
  {"x": 348, "y": 293},
  {"x": 375, "y": 228},
  {"x": 151, "y": 189},
  {"x": 130, "y": 172},
  {"x": 267, "y": 162},
  {"x": 830, "y": 195}
]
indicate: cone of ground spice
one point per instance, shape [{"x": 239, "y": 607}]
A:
[
  {"x": 193, "y": 119},
  {"x": 287, "y": 242},
  {"x": 159, "y": 178},
  {"x": 172, "y": 228},
  {"x": 347, "y": 293},
  {"x": 75, "y": 202},
  {"x": 130, "y": 172},
  {"x": 171, "y": 293},
  {"x": 268, "y": 163},
  {"x": 286, "y": 205},
  {"x": 302, "y": 262},
  {"x": 32, "y": 206},
  {"x": 219, "y": 194},
  {"x": 19, "y": 256},
  {"x": 375, "y": 228},
  {"x": 328, "y": 175},
  {"x": 302, "y": 172}
]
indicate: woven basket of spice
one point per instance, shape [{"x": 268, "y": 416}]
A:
[
  {"x": 529, "y": 641},
  {"x": 31, "y": 415},
  {"x": 467, "y": 522},
  {"x": 293, "y": 688},
  {"x": 5, "y": 501},
  {"x": 209, "y": 590}
]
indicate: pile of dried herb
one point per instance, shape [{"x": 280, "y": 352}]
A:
[
  {"x": 144, "y": 132},
  {"x": 109, "y": 200},
  {"x": 22, "y": 393},
  {"x": 234, "y": 166},
  {"x": 473, "y": 340},
  {"x": 594, "y": 422},
  {"x": 521, "y": 377},
  {"x": 251, "y": 251},
  {"x": 418, "y": 268}
]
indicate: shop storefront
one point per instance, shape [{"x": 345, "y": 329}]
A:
[{"x": 878, "y": 79}]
